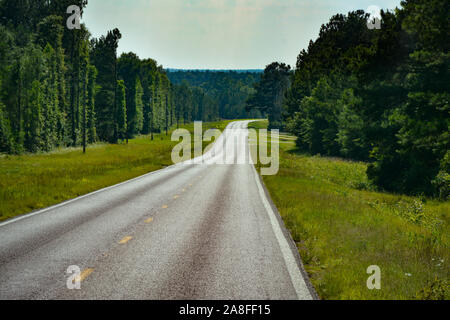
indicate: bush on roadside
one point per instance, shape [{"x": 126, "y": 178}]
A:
[
  {"x": 437, "y": 289},
  {"x": 442, "y": 180}
]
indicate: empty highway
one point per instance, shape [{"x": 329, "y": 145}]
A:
[{"x": 196, "y": 230}]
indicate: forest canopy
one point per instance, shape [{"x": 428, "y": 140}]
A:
[
  {"x": 229, "y": 90},
  {"x": 378, "y": 95},
  {"x": 62, "y": 87}
]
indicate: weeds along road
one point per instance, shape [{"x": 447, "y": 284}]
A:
[{"x": 190, "y": 231}]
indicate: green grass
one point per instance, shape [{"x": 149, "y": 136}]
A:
[
  {"x": 34, "y": 181},
  {"x": 342, "y": 226}
]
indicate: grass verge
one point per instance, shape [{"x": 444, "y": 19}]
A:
[
  {"x": 342, "y": 226},
  {"x": 34, "y": 181}
]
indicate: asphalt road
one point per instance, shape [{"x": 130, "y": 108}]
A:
[{"x": 190, "y": 231}]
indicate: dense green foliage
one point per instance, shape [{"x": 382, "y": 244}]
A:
[
  {"x": 193, "y": 104},
  {"x": 60, "y": 87},
  {"x": 269, "y": 93},
  {"x": 225, "y": 91},
  {"x": 380, "y": 95}
]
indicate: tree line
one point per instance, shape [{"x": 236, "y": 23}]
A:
[
  {"x": 379, "y": 95},
  {"x": 227, "y": 90},
  {"x": 61, "y": 87}
]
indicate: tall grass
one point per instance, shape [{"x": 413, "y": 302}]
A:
[
  {"x": 342, "y": 225},
  {"x": 34, "y": 181}
]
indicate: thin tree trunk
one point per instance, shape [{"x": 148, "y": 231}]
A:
[
  {"x": 167, "y": 115},
  {"x": 116, "y": 125},
  {"x": 84, "y": 110},
  {"x": 19, "y": 100},
  {"x": 72, "y": 89},
  {"x": 151, "y": 126}
]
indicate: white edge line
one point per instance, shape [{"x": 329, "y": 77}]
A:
[
  {"x": 297, "y": 280},
  {"x": 29, "y": 215}
]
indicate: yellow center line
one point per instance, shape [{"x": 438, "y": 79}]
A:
[
  {"x": 125, "y": 240},
  {"x": 165, "y": 206},
  {"x": 86, "y": 273},
  {"x": 149, "y": 220}
]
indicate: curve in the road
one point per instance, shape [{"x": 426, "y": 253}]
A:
[{"x": 197, "y": 230}]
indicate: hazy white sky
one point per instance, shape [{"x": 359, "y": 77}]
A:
[{"x": 217, "y": 34}]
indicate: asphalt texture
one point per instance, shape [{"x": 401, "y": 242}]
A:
[{"x": 196, "y": 230}]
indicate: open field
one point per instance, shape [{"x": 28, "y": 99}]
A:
[
  {"x": 342, "y": 225},
  {"x": 34, "y": 181}
]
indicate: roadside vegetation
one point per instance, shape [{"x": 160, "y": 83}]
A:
[
  {"x": 33, "y": 181},
  {"x": 342, "y": 225},
  {"x": 61, "y": 87},
  {"x": 374, "y": 95}
]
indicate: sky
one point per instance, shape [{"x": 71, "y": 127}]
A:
[{"x": 217, "y": 34}]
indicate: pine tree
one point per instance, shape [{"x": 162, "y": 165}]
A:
[
  {"x": 128, "y": 67},
  {"x": 33, "y": 120},
  {"x": 50, "y": 111},
  {"x": 147, "y": 78},
  {"x": 121, "y": 116},
  {"x": 6, "y": 141},
  {"x": 90, "y": 104},
  {"x": 104, "y": 56},
  {"x": 139, "y": 106}
]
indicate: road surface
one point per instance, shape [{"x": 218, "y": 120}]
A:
[{"x": 189, "y": 231}]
